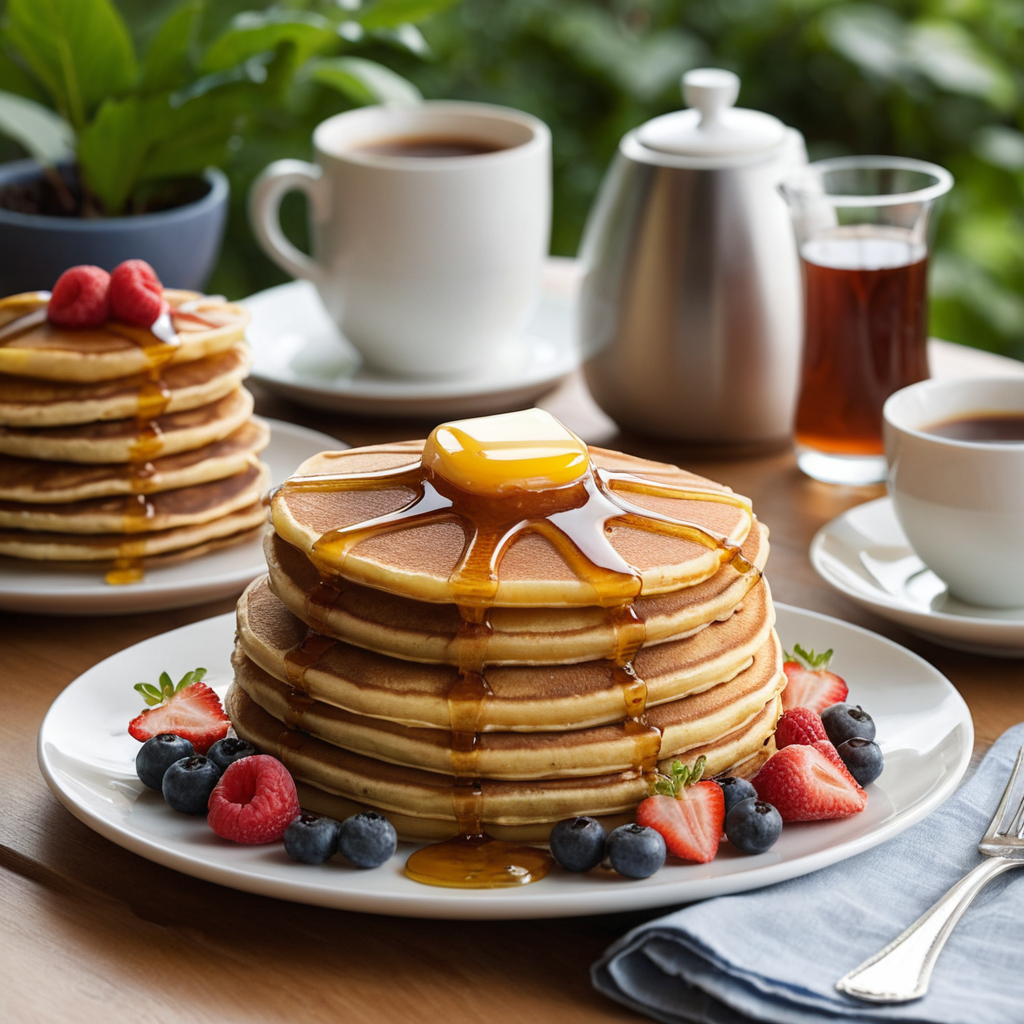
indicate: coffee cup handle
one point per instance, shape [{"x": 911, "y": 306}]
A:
[{"x": 278, "y": 179}]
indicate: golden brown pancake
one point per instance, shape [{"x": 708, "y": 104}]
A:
[
  {"x": 117, "y": 440},
  {"x": 420, "y": 804},
  {"x": 165, "y": 510},
  {"x": 32, "y": 480},
  {"x": 419, "y": 560},
  {"x": 28, "y": 402},
  {"x": 678, "y": 726},
  {"x": 429, "y": 631},
  {"x": 204, "y": 325},
  {"x": 528, "y": 698},
  {"x": 70, "y": 547}
]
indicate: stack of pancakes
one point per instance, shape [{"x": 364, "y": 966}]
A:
[
  {"x": 365, "y": 664},
  {"x": 119, "y": 446}
]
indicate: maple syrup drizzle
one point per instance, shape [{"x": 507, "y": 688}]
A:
[
  {"x": 576, "y": 520},
  {"x": 159, "y": 345}
]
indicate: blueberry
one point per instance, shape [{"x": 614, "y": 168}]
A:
[
  {"x": 845, "y": 721},
  {"x": 863, "y": 758},
  {"x": 367, "y": 839},
  {"x": 189, "y": 782},
  {"x": 157, "y": 754},
  {"x": 577, "y": 844},
  {"x": 311, "y": 838},
  {"x": 229, "y": 750},
  {"x": 753, "y": 826},
  {"x": 635, "y": 851},
  {"x": 736, "y": 791}
]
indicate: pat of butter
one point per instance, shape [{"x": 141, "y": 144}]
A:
[{"x": 527, "y": 450}]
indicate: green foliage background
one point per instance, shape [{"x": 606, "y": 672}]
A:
[{"x": 937, "y": 79}]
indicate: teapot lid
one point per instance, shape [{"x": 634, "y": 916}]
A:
[{"x": 713, "y": 127}]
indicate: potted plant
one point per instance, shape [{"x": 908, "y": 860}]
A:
[{"x": 125, "y": 151}]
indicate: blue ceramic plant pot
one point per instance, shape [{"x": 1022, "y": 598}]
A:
[{"x": 181, "y": 244}]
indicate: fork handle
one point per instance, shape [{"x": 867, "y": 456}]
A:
[{"x": 900, "y": 972}]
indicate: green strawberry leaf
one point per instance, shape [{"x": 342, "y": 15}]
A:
[
  {"x": 167, "y": 689},
  {"x": 680, "y": 776},
  {"x": 810, "y": 660}
]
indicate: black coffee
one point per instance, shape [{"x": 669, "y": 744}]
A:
[
  {"x": 1007, "y": 427},
  {"x": 431, "y": 146}
]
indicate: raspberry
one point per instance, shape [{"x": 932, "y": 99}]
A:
[
  {"x": 254, "y": 801},
  {"x": 80, "y": 298},
  {"x": 136, "y": 295}
]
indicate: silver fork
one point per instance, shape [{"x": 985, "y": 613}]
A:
[{"x": 901, "y": 971}]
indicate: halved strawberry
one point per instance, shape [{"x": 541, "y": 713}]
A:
[
  {"x": 688, "y": 813},
  {"x": 809, "y": 684},
  {"x": 189, "y": 709},
  {"x": 804, "y": 784},
  {"x": 799, "y": 725}
]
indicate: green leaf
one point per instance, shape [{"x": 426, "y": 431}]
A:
[
  {"x": 252, "y": 33},
  {"x": 46, "y": 136},
  {"x": 111, "y": 149},
  {"x": 679, "y": 778},
  {"x": 79, "y": 49},
  {"x": 392, "y": 13},
  {"x": 168, "y": 689},
  {"x": 363, "y": 81},
  {"x": 809, "y": 659},
  {"x": 167, "y": 64},
  {"x": 949, "y": 55}
]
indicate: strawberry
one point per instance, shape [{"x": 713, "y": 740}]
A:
[
  {"x": 688, "y": 813},
  {"x": 799, "y": 725},
  {"x": 80, "y": 298},
  {"x": 189, "y": 709},
  {"x": 827, "y": 747},
  {"x": 136, "y": 295},
  {"x": 809, "y": 684},
  {"x": 805, "y": 785},
  {"x": 254, "y": 801}
]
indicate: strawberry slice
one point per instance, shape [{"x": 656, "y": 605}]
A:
[
  {"x": 804, "y": 784},
  {"x": 799, "y": 725},
  {"x": 809, "y": 684},
  {"x": 189, "y": 709},
  {"x": 689, "y": 813}
]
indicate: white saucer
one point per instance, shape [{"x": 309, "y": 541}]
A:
[
  {"x": 87, "y": 757},
  {"x": 865, "y": 555},
  {"x": 298, "y": 352},
  {"x": 64, "y": 590}
]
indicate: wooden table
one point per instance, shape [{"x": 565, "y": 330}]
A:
[{"x": 90, "y": 932}]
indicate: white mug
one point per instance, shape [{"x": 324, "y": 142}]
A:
[
  {"x": 960, "y": 503},
  {"x": 428, "y": 264}
]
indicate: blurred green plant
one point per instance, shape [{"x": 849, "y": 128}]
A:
[
  {"x": 941, "y": 80},
  {"x": 74, "y": 89}
]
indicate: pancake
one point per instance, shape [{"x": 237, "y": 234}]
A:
[
  {"x": 31, "y": 347},
  {"x": 118, "y": 440},
  {"x": 27, "y": 402},
  {"x": 430, "y": 631},
  {"x": 424, "y": 557},
  {"x": 531, "y": 698},
  {"x": 34, "y": 481},
  {"x": 70, "y": 547},
  {"x": 165, "y": 510},
  {"x": 421, "y": 804},
  {"x": 677, "y": 726}
]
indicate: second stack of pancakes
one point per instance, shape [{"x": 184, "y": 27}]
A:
[
  {"x": 120, "y": 448},
  {"x": 388, "y": 673}
]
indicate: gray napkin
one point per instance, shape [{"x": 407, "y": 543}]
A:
[{"x": 775, "y": 954}]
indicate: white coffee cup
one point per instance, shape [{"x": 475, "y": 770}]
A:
[
  {"x": 429, "y": 265},
  {"x": 960, "y": 503}
]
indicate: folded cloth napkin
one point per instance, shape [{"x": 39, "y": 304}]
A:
[{"x": 775, "y": 954}]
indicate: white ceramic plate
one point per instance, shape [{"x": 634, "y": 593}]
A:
[
  {"x": 298, "y": 352},
  {"x": 865, "y": 555},
  {"x": 87, "y": 758},
  {"x": 62, "y": 590}
]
